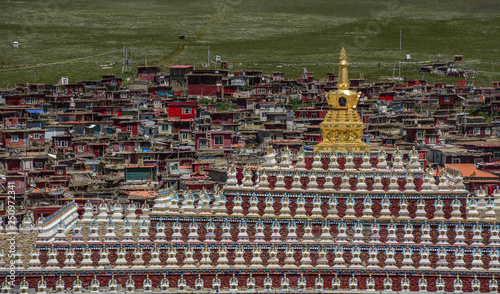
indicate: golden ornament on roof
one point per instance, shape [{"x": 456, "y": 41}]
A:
[{"x": 342, "y": 130}]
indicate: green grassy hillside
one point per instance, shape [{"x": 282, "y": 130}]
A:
[{"x": 82, "y": 38}]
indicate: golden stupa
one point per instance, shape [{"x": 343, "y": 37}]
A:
[{"x": 342, "y": 129}]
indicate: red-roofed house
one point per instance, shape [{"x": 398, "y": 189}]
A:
[{"x": 474, "y": 178}]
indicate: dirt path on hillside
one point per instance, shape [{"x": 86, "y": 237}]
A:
[{"x": 199, "y": 34}]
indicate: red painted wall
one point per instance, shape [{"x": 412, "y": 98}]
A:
[
  {"x": 146, "y": 77},
  {"x": 7, "y": 139},
  {"x": 387, "y": 96},
  {"x": 134, "y": 129},
  {"x": 18, "y": 185},
  {"x": 175, "y": 111},
  {"x": 204, "y": 90}
]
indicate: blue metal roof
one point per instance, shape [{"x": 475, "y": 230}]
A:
[{"x": 35, "y": 111}]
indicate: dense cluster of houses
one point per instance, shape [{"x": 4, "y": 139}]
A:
[{"x": 181, "y": 128}]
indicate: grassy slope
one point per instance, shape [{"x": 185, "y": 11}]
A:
[{"x": 255, "y": 34}]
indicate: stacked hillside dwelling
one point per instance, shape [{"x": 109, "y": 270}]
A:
[{"x": 339, "y": 219}]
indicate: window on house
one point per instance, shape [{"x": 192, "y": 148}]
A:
[
  {"x": 123, "y": 94},
  {"x": 164, "y": 127},
  {"x": 495, "y": 106},
  {"x": 496, "y": 154},
  {"x": 23, "y": 101},
  {"x": 185, "y": 136},
  {"x": 455, "y": 160},
  {"x": 202, "y": 168},
  {"x": 62, "y": 143},
  {"x": 388, "y": 142},
  {"x": 447, "y": 99},
  {"x": 129, "y": 128},
  {"x": 477, "y": 131},
  {"x": 36, "y": 136},
  {"x": 65, "y": 119},
  {"x": 186, "y": 110},
  {"x": 115, "y": 111},
  {"x": 108, "y": 111},
  {"x": 203, "y": 143},
  {"x": 420, "y": 135},
  {"x": 174, "y": 166},
  {"x": 81, "y": 148},
  {"x": 27, "y": 164},
  {"x": 478, "y": 160},
  {"x": 302, "y": 115},
  {"x": 218, "y": 140},
  {"x": 14, "y": 138},
  {"x": 38, "y": 164},
  {"x": 59, "y": 171},
  {"x": 487, "y": 131},
  {"x": 314, "y": 115},
  {"x": 261, "y": 91},
  {"x": 432, "y": 140},
  {"x": 441, "y": 121},
  {"x": 121, "y": 147}
]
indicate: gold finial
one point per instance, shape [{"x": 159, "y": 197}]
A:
[
  {"x": 343, "y": 82},
  {"x": 343, "y": 98},
  {"x": 343, "y": 56}
]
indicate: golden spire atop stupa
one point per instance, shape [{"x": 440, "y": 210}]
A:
[
  {"x": 342, "y": 129},
  {"x": 343, "y": 81}
]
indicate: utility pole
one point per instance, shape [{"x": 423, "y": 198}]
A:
[
  {"x": 25, "y": 183},
  {"x": 465, "y": 119},
  {"x": 130, "y": 63},
  {"x": 400, "y": 33},
  {"x": 393, "y": 70},
  {"x": 178, "y": 146},
  {"x": 399, "y": 75},
  {"x": 208, "y": 57},
  {"x": 123, "y": 59},
  {"x": 126, "y": 59},
  {"x": 138, "y": 109}
]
